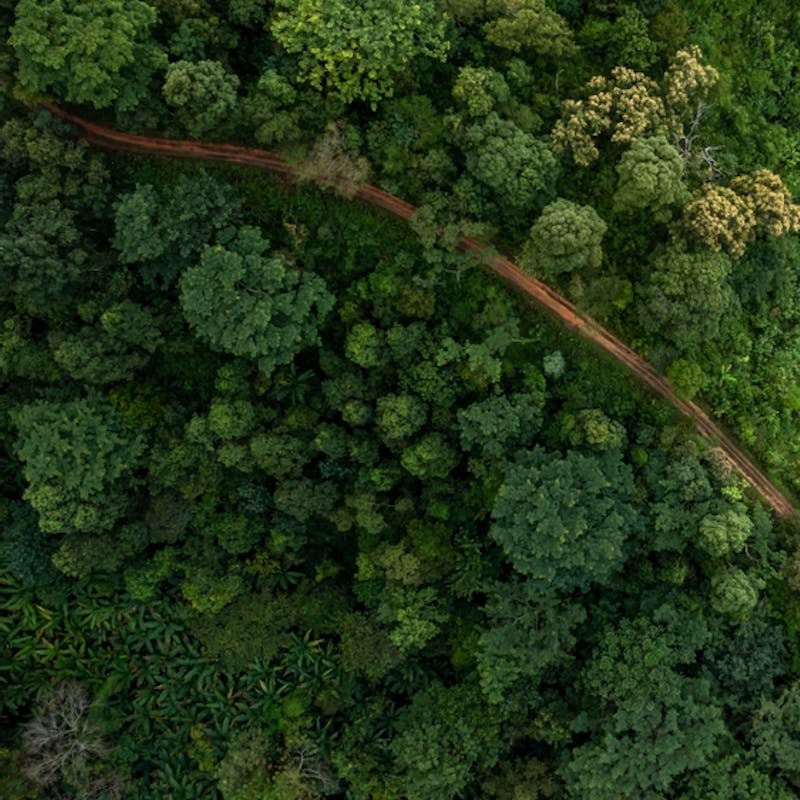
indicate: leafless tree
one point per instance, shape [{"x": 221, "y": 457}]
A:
[{"x": 62, "y": 740}]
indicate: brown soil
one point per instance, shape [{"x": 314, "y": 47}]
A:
[{"x": 537, "y": 291}]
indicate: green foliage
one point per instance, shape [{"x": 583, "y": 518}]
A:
[
  {"x": 734, "y": 592},
  {"x": 563, "y": 520},
  {"x": 244, "y": 302},
  {"x": 528, "y": 26},
  {"x": 442, "y": 736},
  {"x": 500, "y": 424},
  {"x": 431, "y": 457},
  {"x": 25, "y": 551},
  {"x": 480, "y": 90},
  {"x": 776, "y": 725},
  {"x": 565, "y": 237},
  {"x": 733, "y": 777},
  {"x": 355, "y": 50},
  {"x": 517, "y": 167},
  {"x": 86, "y": 51},
  {"x": 726, "y": 533},
  {"x": 161, "y": 230},
  {"x": 651, "y": 725},
  {"x": 686, "y": 296},
  {"x": 203, "y": 93},
  {"x": 78, "y": 461},
  {"x": 114, "y": 349},
  {"x": 527, "y": 637},
  {"x": 651, "y": 177},
  {"x": 427, "y": 546},
  {"x": 365, "y": 345}
]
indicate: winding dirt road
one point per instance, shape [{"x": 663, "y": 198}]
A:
[{"x": 537, "y": 291}]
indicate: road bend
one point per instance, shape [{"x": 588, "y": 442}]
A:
[{"x": 537, "y": 291}]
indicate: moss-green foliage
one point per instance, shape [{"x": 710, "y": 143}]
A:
[
  {"x": 246, "y": 303},
  {"x": 304, "y": 503},
  {"x": 355, "y": 50},
  {"x": 98, "y": 53}
]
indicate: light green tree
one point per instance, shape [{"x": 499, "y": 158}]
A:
[
  {"x": 78, "y": 458},
  {"x": 202, "y": 92},
  {"x": 519, "y": 168},
  {"x": 528, "y": 25},
  {"x": 651, "y": 176},
  {"x": 241, "y": 300},
  {"x": 734, "y": 592},
  {"x": 97, "y": 52},
  {"x": 355, "y": 49},
  {"x": 725, "y": 533},
  {"x": 480, "y": 90},
  {"x": 565, "y": 237}
]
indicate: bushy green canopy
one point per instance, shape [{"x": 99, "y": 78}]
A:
[{"x": 244, "y": 302}]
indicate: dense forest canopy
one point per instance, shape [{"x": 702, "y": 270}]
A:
[{"x": 299, "y": 501}]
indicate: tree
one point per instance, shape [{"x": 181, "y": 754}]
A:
[
  {"x": 78, "y": 460},
  {"x": 63, "y": 743},
  {"x": 687, "y": 296},
  {"x": 162, "y": 230},
  {"x": 651, "y": 177},
  {"x": 332, "y": 164},
  {"x": 122, "y": 342},
  {"x": 629, "y": 105},
  {"x": 720, "y": 219},
  {"x": 244, "y": 302},
  {"x": 355, "y": 49},
  {"x": 399, "y": 416},
  {"x": 526, "y": 637},
  {"x": 443, "y": 736},
  {"x": 565, "y": 237},
  {"x": 500, "y": 424},
  {"x": 521, "y": 25},
  {"x": 735, "y": 778},
  {"x": 563, "y": 520},
  {"x": 725, "y": 533},
  {"x": 734, "y": 592},
  {"x": 481, "y": 90},
  {"x": 776, "y": 733},
  {"x": 775, "y": 213},
  {"x": 519, "y": 168},
  {"x": 729, "y": 217},
  {"x": 650, "y": 725},
  {"x": 86, "y": 51},
  {"x": 431, "y": 457},
  {"x": 203, "y": 92}
]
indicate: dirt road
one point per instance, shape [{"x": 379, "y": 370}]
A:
[{"x": 536, "y": 290}]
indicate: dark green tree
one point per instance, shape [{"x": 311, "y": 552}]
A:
[
  {"x": 563, "y": 521},
  {"x": 244, "y": 302}
]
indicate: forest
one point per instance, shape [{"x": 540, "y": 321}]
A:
[{"x": 300, "y": 501}]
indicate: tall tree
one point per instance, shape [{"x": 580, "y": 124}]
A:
[
  {"x": 356, "y": 49},
  {"x": 86, "y": 51},
  {"x": 78, "y": 459},
  {"x": 563, "y": 520},
  {"x": 242, "y": 301}
]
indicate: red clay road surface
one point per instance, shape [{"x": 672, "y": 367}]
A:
[{"x": 539, "y": 292}]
